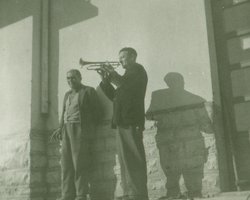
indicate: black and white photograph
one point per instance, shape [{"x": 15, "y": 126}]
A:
[{"x": 125, "y": 100}]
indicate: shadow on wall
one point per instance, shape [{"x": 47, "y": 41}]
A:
[
  {"x": 16, "y": 8},
  {"x": 63, "y": 13},
  {"x": 180, "y": 118},
  {"x": 20, "y": 62},
  {"x": 104, "y": 171}
]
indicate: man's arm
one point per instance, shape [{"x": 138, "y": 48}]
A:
[
  {"x": 61, "y": 123},
  {"x": 116, "y": 79},
  {"x": 95, "y": 106},
  {"x": 105, "y": 84},
  {"x": 57, "y": 134},
  {"x": 204, "y": 120},
  {"x": 108, "y": 90},
  {"x": 149, "y": 114},
  {"x": 133, "y": 79}
]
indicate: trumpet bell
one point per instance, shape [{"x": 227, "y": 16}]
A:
[{"x": 84, "y": 63}]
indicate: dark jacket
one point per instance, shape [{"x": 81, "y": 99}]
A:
[
  {"x": 90, "y": 111},
  {"x": 128, "y": 98}
]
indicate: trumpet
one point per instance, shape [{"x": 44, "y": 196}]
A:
[{"x": 97, "y": 65}]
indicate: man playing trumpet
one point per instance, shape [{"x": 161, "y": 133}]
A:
[{"x": 128, "y": 117}]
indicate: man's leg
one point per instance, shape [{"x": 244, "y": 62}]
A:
[
  {"x": 172, "y": 185},
  {"x": 171, "y": 171},
  {"x": 81, "y": 161},
  {"x": 68, "y": 189},
  {"x": 193, "y": 181},
  {"x": 133, "y": 163}
]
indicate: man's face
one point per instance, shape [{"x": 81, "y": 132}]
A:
[
  {"x": 126, "y": 59},
  {"x": 73, "y": 80}
]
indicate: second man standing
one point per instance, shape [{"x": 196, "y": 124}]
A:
[{"x": 128, "y": 117}]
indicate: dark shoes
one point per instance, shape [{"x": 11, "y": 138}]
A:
[
  {"x": 179, "y": 196},
  {"x": 77, "y": 198},
  {"x": 134, "y": 198}
]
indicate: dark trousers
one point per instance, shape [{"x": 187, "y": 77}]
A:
[
  {"x": 75, "y": 163},
  {"x": 132, "y": 160},
  {"x": 192, "y": 176}
]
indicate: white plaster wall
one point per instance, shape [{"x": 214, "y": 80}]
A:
[
  {"x": 15, "y": 107},
  {"x": 15, "y": 76}
]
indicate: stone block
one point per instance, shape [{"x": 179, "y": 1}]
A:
[
  {"x": 98, "y": 145},
  {"x": 38, "y": 191},
  {"x": 54, "y": 176},
  {"x": 106, "y": 104},
  {"x": 209, "y": 140},
  {"x": 105, "y": 130},
  {"x": 36, "y": 198},
  {"x": 110, "y": 143},
  {"x": 108, "y": 171},
  {"x": 97, "y": 173},
  {"x": 37, "y": 177},
  {"x": 151, "y": 152},
  {"x": 38, "y": 160},
  {"x": 13, "y": 191},
  {"x": 104, "y": 157},
  {"x": 14, "y": 177},
  {"x": 53, "y": 149},
  {"x": 54, "y": 191},
  {"x": 157, "y": 185},
  {"x": 54, "y": 162},
  {"x": 212, "y": 163},
  {"x": 14, "y": 154},
  {"x": 38, "y": 146},
  {"x": 152, "y": 166},
  {"x": 211, "y": 184},
  {"x": 156, "y": 194},
  {"x": 103, "y": 190}
]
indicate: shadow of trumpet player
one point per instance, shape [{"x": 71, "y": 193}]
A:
[{"x": 181, "y": 118}]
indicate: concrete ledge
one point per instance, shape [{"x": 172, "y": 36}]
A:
[
  {"x": 245, "y": 195},
  {"x": 227, "y": 196}
]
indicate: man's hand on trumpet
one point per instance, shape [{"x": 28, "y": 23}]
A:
[
  {"x": 105, "y": 71},
  {"x": 108, "y": 73},
  {"x": 108, "y": 68}
]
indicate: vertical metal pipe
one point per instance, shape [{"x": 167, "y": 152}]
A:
[{"x": 45, "y": 57}]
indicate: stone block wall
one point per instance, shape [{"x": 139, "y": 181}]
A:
[
  {"x": 156, "y": 177},
  {"x": 103, "y": 155},
  {"x": 214, "y": 169},
  {"x": 23, "y": 163},
  {"x": 38, "y": 164},
  {"x": 105, "y": 173},
  {"x": 103, "y": 180},
  {"x": 53, "y": 172},
  {"x": 14, "y": 166}
]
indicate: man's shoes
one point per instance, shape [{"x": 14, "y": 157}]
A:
[
  {"x": 62, "y": 199},
  {"x": 134, "y": 198},
  {"x": 163, "y": 198},
  {"x": 81, "y": 198},
  {"x": 179, "y": 196},
  {"x": 73, "y": 199}
]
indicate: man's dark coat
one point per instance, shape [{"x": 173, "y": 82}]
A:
[
  {"x": 90, "y": 112},
  {"x": 129, "y": 97}
]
